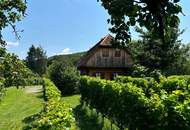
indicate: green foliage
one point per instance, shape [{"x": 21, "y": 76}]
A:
[
  {"x": 127, "y": 103},
  {"x": 141, "y": 71},
  {"x": 69, "y": 59},
  {"x": 181, "y": 66},
  {"x": 37, "y": 60},
  {"x": 173, "y": 83},
  {"x": 15, "y": 72},
  {"x": 2, "y": 90},
  {"x": 56, "y": 115},
  {"x": 65, "y": 77},
  {"x": 11, "y": 11},
  {"x": 33, "y": 80},
  {"x": 170, "y": 56},
  {"x": 147, "y": 84},
  {"x": 158, "y": 15},
  {"x": 51, "y": 90}
]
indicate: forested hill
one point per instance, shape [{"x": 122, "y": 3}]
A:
[{"x": 70, "y": 58}]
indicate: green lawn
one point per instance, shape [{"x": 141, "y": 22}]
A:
[
  {"x": 16, "y": 106},
  {"x": 72, "y": 101}
]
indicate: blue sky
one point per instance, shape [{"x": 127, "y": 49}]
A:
[{"x": 68, "y": 26}]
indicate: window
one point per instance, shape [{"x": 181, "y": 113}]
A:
[
  {"x": 105, "y": 53},
  {"x": 117, "y": 53},
  {"x": 98, "y": 74},
  {"x": 115, "y": 75}
]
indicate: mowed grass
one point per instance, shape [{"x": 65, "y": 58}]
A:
[
  {"x": 72, "y": 101},
  {"x": 16, "y": 106}
]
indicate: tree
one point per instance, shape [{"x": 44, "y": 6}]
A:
[
  {"x": 11, "y": 11},
  {"x": 151, "y": 14},
  {"x": 181, "y": 66},
  {"x": 65, "y": 76},
  {"x": 153, "y": 53},
  {"x": 37, "y": 60},
  {"x": 13, "y": 70}
]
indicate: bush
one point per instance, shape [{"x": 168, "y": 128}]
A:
[
  {"x": 126, "y": 103},
  {"x": 141, "y": 71},
  {"x": 56, "y": 115},
  {"x": 138, "y": 71},
  {"x": 2, "y": 90},
  {"x": 65, "y": 77},
  {"x": 32, "y": 81},
  {"x": 51, "y": 91},
  {"x": 148, "y": 84},
  {"x": 173, "y": 83}
]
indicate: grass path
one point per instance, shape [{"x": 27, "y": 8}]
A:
[{"x": 16, "y": 106}]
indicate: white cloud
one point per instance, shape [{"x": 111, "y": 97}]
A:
[
  {"x": 9, "y": 43},
  {"x": 65, "y": 51}
]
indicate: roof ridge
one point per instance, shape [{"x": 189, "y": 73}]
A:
[{"x": 105, "y": 39}]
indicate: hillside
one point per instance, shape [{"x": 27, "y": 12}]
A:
[{"x": 71, "y": 58}]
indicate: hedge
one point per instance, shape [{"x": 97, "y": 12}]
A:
[
  {"x": 127, "y": 104},
  {"x": 2, "y": 90},
  {"x": 176, "y": 83},
  {"x": 33, "y": 81},
  {"x": 56, "y": 115}
]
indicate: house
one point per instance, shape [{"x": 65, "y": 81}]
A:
[{"x": 105, "y": 61}]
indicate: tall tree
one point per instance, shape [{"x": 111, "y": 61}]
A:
[
  {"x": 37, "y": 60},
  {"x": 157, "y": 14},
  {"x": 181, "y": 65},
  {"x": 153, "y": 53},
  {"x": 30, "y": 59},
  {"x": 11, "y": 11}
]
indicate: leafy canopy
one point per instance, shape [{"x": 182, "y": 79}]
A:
[
  {"x": 151, "y": 14},
  {"x": 11, "y": 11},
  {"x": 12, "y": 69}
]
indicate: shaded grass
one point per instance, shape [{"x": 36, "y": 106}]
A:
[
  {"x": 87, "y": 119},
  {"x": 16, "y": 106}
]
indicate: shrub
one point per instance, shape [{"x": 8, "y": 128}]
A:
[
  {"x": 148, "y": 84},
  {"x": 2, "y": 90},
  {"x": 139, "y": 71},
  {"x": 33, "y": 81},
  {"x": 65, "y": 77},
  {"x": 173, "y": 83},
  {"x": 56, "y": 115},
  {"x": 51, "y": 91},
  {"x": 126, "y": 103}
]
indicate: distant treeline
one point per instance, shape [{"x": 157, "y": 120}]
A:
[{"x": 70, "y": 58}]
